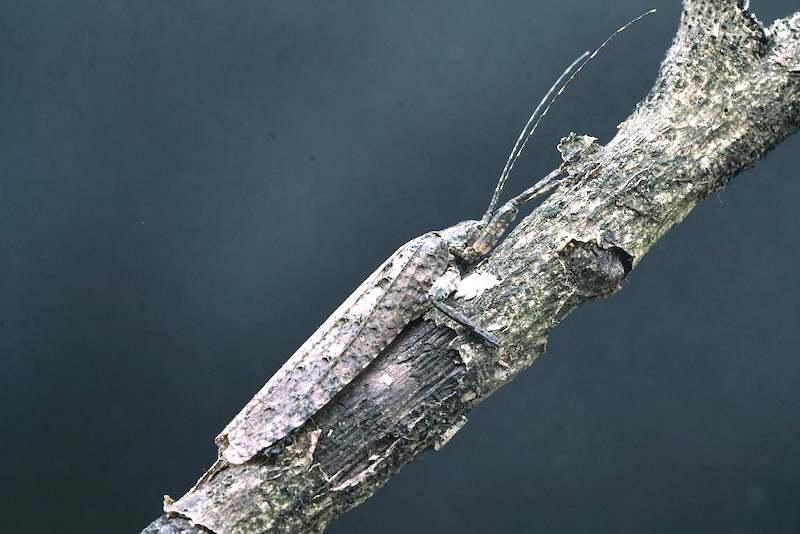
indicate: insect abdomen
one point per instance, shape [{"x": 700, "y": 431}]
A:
[{"x": 371, "y": 317}]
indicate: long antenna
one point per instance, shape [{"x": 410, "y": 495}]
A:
[{"x": 542, "y": 109}]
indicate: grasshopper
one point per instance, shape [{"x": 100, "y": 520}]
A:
[{"x": 421, "y": 274}]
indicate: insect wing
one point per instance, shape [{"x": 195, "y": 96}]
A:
[{"x": 394, "y": 295}]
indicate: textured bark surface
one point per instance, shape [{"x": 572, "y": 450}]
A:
[{"x": 727, "y": 92}]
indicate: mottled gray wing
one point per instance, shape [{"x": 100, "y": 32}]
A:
[{"x": 394, "y": 295}]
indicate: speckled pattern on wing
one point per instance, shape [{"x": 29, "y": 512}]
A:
[{"x": 394, "y": 295}]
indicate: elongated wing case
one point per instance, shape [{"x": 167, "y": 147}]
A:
[{"x": 394, "y": 295}]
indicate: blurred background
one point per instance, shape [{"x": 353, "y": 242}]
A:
[{"x": 189, "y": 188}]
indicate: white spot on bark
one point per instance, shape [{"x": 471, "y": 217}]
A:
[
  {"x": 386, "y": 379},
  {"x": 468, "y": 396},
  {"x": 475, "y": 284}
]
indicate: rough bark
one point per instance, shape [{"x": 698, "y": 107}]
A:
[{"x": 727, "y": 92}]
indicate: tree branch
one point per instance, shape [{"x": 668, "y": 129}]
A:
[{"x": 727, "y": 92}]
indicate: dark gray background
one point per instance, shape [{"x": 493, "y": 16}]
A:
[{"x": 188, "y": 188}]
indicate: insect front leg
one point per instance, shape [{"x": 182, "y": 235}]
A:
[{"x": 444, "y": 286}]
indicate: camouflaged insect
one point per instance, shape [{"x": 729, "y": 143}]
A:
[
  {"x": 394, "y": 295},
  {"x": 420, "y": 274}
]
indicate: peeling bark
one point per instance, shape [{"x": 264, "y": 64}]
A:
[{"x": 727, "y": 92}]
